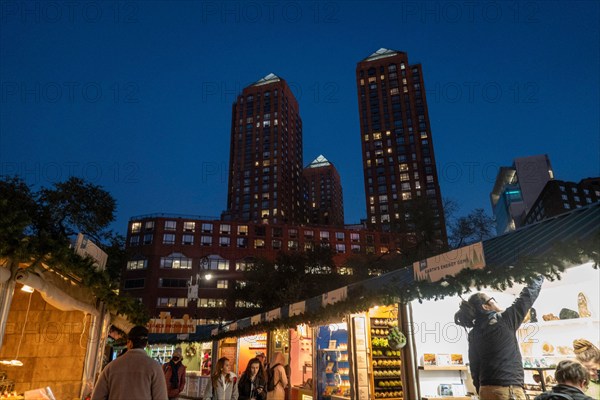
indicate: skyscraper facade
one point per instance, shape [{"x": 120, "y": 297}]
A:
[
  {"x": 324, "y": 198},
  {"x": 265, "y": 163},
  {"x": 517, "y": 188},
  {"x": 399, "y": 166}
]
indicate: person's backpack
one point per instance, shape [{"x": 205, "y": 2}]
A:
[
  {"x": 271, "y": 378},
  {"x": 553, "y": 396}
]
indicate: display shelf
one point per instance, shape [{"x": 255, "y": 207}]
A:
[
  {"x": 561, "y": 322},
  {"x": 443, "y": 367},
  {"x": 447, "y": 398},
  {"x": 380, "y": 329}
]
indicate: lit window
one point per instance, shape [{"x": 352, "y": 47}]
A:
[
  {"x": 137, "y": 264},
  {"x": 170, "y": 225},
  {"x": 243, "y": 265},
  {"x": 340, "y": 248},
  {"x": 259, "y": 244},
  {"x": 136, "y": 227},
  {"x": 171, "y": 302},
  {"x": 225, "y": 229},
  {"x": 243, "y": 230},
  {"x": 189, "y": 226},
  {"x": 176, "y": 261},
  {"x": 222, "y": 284},
  {"x": 324, "y": 235}
]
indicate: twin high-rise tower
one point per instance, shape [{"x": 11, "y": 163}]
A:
[
  {"x": 267, "y": 181},
  {"x": 400, "y": 174}
]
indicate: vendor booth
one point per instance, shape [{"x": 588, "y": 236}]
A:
[
  {"x": 197, "y": 352},
  {"x": 50, "y": 322},
  {"x": 394, "y": 337}
]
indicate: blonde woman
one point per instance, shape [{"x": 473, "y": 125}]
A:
[
  {"x": 277, "y": 373},
  {"x": 589, "y": 356},
  {"x": 223, "y": 383}
]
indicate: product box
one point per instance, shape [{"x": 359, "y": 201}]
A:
[
  {"x": 456, "y": 359},
  {"x": 429, "y": 359}
]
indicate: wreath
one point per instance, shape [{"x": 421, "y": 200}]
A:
[{"x": 190, "y": 351}]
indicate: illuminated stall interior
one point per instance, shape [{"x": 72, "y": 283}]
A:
[
  {"x": 565, "y": 310},
  {"x": 249, "y": 347}
]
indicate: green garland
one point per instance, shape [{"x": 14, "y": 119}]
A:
[
  {"x": 99, "y": 283},
  {"x": 550, "y": 265}
]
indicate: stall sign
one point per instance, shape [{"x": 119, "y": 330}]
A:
[
  {"x": 274, "y": 314},
  {"x": 297, "y": 308},
  {"x": 334, "y": 296},
  {"x": 450, "y": 263}
]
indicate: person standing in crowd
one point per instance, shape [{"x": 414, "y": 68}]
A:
[
  {"x": 175, "y": 374},
  {"x": 572, "y": 378},
  {"x": 263, "y": 361},
  {"x": 134, "y": 375},
  {"x": 589, "y": 356},
  {"x": 222, "y": 384},
  {"x": 252, "y": 384},
  {"x": 495, "y": 359},
  {"x": 279, "y": 377}
]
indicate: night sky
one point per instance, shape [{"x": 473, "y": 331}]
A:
[{"x": 137, "y": 96}]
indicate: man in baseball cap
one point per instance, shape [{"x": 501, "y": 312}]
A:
[{"x": 134, "y": 375}]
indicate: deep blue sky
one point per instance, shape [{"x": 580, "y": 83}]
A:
[{"x": 136, "y": 96}]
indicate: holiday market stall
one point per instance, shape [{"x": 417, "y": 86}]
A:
[
  {"x": 393, "y": 336},
  {"x": 56, "y": 310}
]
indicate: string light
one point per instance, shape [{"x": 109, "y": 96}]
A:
[{"x": 16, "y": 362}]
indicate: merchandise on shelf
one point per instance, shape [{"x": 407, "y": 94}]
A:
[{"x": 386, "y": 359}]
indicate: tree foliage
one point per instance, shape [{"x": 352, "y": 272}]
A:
[
  {"x": 37, "y": 228},
  {"x": 291, "y": 277},
  {"x": 474, "y": 227}
]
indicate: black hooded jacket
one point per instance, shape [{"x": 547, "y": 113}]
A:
[
  {"x": 493, "y": 347},
  {"x": 571, "y": 391}
]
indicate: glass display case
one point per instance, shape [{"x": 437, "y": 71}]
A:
[{"x": 333, "y": 365}]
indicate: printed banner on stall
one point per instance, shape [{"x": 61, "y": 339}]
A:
[
  {"x": 334, "y": 296},
  {"x": 166, "y": 324},
  {"x": 273, "y": 314},
  {"x": 297, "y": 308},
  {"x": 256, "y": 319},
  {"x": 450, "y": 263}
]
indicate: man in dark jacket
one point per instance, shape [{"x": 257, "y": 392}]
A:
[
  {"x": 495, "y": 359},
  {"x": 175, "y": 374},
  {"x": 572, "y": 378}
]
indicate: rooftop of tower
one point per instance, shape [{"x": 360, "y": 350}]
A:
[
  {"x": 267, "y": 79},
  {"x": 382, "y": 53},
  {"x": 320, "y": 161}
]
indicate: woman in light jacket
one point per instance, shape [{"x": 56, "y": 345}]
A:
[
  {"x": 279, "y": 376},
  {"x": 223, "y": 383}
]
